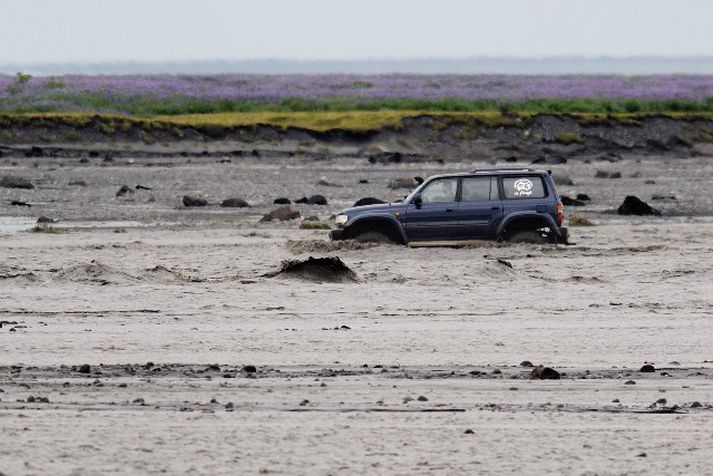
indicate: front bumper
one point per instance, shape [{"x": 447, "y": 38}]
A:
[{"x": 336, "y": 235}]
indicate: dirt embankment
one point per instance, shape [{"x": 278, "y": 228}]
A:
[{"x": 542, "y": 138}]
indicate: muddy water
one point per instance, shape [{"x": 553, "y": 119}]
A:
[{"x": 340, "y": 366}]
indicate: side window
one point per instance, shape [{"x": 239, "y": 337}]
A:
[
  {"x": 440, "y": 191},
  {"x": 478, "y": 189},
  {"x": 524, "y": 187}
]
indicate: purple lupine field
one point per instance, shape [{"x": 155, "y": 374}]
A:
[{"x": 264, "y": 87}]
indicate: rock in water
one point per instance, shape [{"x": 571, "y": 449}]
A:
[
  {"x": 544, "y": 373},
  {"x": 634, "y": 206},
  {"x": 282, "y": 201},
  {"x": 571, "y": 202},
  {"x": 189, "y": 201},
  {"x": 368, "y": 201},
  {"x": 9, "y": 181},
  {"x": 330, "y": 269},
  {"x": 234, "y": 203},
  {"x": 317, "y": 200},
  {"x": 647, "y": 368},
  {"x": 288, "y": 212}
]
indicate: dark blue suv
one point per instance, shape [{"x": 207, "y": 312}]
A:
[{"x": 516, "y": 205}]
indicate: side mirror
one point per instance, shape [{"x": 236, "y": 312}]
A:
[{"x": 418, "y": 201}]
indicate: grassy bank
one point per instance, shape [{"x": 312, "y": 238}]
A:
[
  {"x": 319, "y": 121},
  {"x": 143, "y": 105}
]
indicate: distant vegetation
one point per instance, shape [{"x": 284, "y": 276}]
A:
[{"x": 174, "y": 95}]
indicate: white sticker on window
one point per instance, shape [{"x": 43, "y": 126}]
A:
[{"x": 523, "y": 187}]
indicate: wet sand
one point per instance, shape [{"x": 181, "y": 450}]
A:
[{"x": 340, "y": 367}]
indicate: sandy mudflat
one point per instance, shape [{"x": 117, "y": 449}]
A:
[{"x": 340, "y": 367}]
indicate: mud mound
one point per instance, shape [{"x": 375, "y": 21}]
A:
[
  {"x": 93, "y": 273},
  {"x": 162, "y": 274},
  {"x": 322, "y": 246},
  {"x": 330, "y": 269},
  {"x": 14, "y": 273}
]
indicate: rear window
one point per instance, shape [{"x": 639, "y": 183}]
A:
[{"x": 524, "y": 187}]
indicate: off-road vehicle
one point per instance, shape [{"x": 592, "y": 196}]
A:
[{"x": 515, "y": 205}]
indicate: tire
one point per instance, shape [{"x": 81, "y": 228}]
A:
[
  {"x": 528, "y": 236},
  {"x": 373, "y": 237}
]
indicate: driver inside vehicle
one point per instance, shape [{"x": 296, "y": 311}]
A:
[{"x": 441, "y": 191}]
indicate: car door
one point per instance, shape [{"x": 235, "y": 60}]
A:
[
  {"x": 435, "y": 218},
  {"x": 480, "y": 207}
]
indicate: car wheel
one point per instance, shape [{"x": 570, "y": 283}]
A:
[
  {"x": 528, "y": 236},
  {"x": 373, "y": 237}
]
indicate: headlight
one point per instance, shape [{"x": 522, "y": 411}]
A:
[{"x": 341, "y": 219}]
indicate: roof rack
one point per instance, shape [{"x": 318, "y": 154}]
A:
[{"x": 478, "y": 171}]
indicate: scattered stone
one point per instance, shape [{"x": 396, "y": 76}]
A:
[
  {"x": 229, "y": 407},
  {"x": 641, "y": 455},
  {"x": 84, "y": 369},
  {"x": 661, "y": 401},
  {"x": 18, "y": 203},
  {"x": 610, "y": 175},
  {"x": 674, "y": 362},
  {"x": 44, "y": 219},
  {"x": 663, "y": 197},
  {"x": 629, "y": 382},
  {"x": 647, "y": 368},
  {"x": 139, "y": 401},
  {"x": 234, "y": 203},
  {"x": 468, "y": 432},
  {"x": 368, "y": 201},
  {"x": 526, "y": 363},
  {"x": 10, "y": 181},
  {"x": 123, "y": 191},
  {"x": 616, "y": 400},
  {"x": 189, "y": 201},
  {"x": 583, "y": 197},
  {"x": 142, "y": 187},
  {"x": 695, "y": 404},
  {"x": 544, "y": 373},
  {"x": 77, "y": 183},
  {"x": 282, "y": 201},
  {"x": 634, "y": 206},
  {"x": 288, "y": 212},
  {"x": 363, "y": 181},
  {"x": 421, "y": 398},
  {"x": 650, "y": 182},
  {"x": 304, "y": 402},
  {"x": 250, "y": 369},
  {"x": 497, "y": 372},
  {"x": 405, "y": 182},
  {"x": 326, "y": 183}
]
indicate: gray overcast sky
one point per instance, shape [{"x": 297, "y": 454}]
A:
[{"x": 155, "y": 30}]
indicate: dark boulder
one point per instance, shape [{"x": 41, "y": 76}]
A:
[
  {"x": 288, "y": 212},
  {"x": 189, "y": 201},
  {"x": 634, "y": 206},
  {"x": 18, "y": 203},
  {"x": 544, "y": 373},
  {"x": 363, "y": 181},
  {"x": 234, "y": 203},
  {"x": 282, "y": 201},
  {"x": 368, "y": 201},
  {"x": 313, "y": 200},
  {"x": 328, "y": 269},
  {"x": 10, "y": 181},
  {"x": 84, "y": 369},
  {"x": 648, "y": 368},
  {"x": 123, "y": 191},
  {"x": 571, "y": 202},
  {"x": 35, "y": 152},
  {"x": 526, "y": 363},
  {"x": 583, "y": 197}
]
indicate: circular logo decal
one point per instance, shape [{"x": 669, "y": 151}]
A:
[{"x": 523, "y": 187}]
